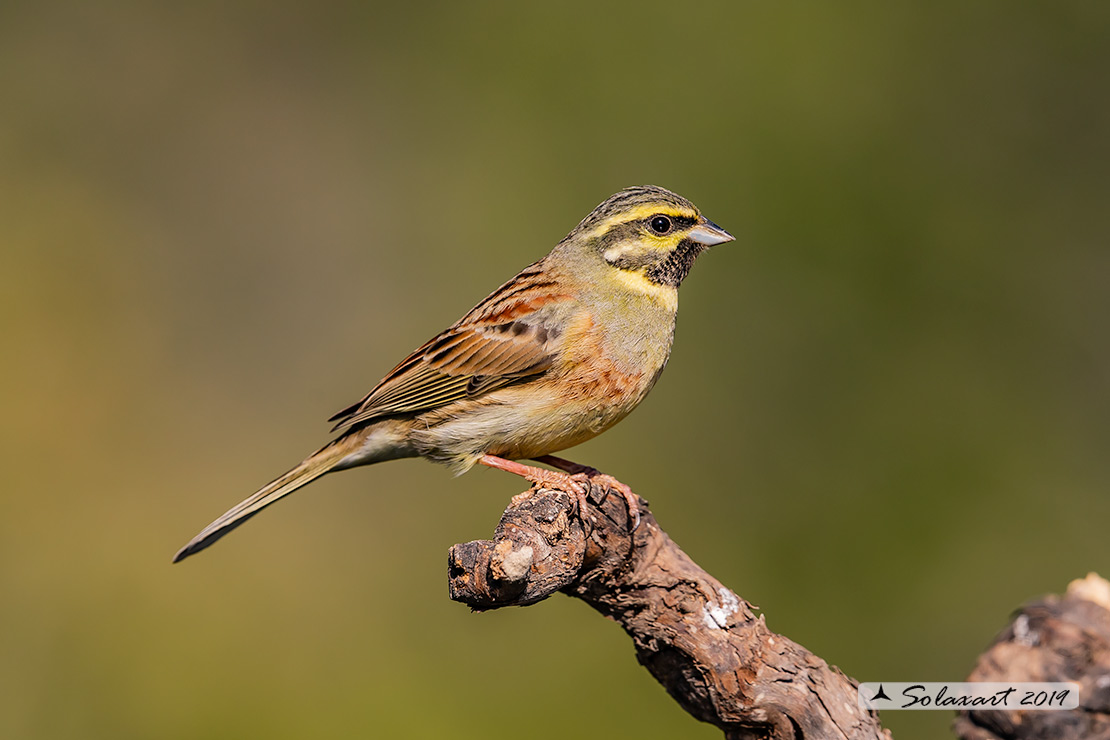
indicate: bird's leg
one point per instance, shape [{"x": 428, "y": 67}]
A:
[
  {"x": 585, "y": 472},
  {"x": 541, "y": 477},
  {"x": 567, "y": 466}
]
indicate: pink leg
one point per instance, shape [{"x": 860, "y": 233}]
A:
[
  {"x": 585, "y": 471},
  {"x": 541, "y": 477},
  {"x": 567, "y": 466}
]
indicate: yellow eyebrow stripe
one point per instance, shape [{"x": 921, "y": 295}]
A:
[
  {"x": 650, "y": 209},
  {"x": 641, "y": 212}
]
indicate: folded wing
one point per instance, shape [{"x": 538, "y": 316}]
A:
[{"x": 506, "y": 338}]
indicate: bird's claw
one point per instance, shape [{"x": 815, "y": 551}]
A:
[
  {"x": 590, "y": 475},
  {"x": 571, "y": 477},
  {"x": 576, "y": 485}
]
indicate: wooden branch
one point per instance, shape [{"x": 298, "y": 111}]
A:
[
  {"x": 698, "y": 638},
  {"x": 721, "y": 663}
]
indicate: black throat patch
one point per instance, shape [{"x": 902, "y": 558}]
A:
[{"x": 674, "y": 268}]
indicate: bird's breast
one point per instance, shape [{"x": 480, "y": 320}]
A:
[
  {"x": 603, "y": 371},
  {"x": 610, "y": 364}
]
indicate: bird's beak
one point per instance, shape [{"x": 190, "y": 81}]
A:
[{"x": 709, "y": 233}]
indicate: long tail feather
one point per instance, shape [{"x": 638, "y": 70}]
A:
[{"x": 312, "y": 468}]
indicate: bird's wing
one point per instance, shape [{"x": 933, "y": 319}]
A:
[{"x": 505, "y": 338}]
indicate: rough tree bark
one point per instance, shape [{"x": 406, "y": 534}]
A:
[{"x": 700, "y": 640}]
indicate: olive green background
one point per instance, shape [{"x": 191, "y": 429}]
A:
[{"x": 886, "y": 421}]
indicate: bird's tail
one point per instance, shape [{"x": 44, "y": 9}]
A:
[{"x": 322, "y": 461}]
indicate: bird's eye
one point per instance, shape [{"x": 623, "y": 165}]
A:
[{"x": 661, "y": 225}]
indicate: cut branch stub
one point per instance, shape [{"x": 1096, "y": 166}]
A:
[
  {"x": 538, "y": 548},
  {"x": 1053, "y": 639}
]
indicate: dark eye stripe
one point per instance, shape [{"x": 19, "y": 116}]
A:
[
  {"x": 635, "y": 261},
  {"x": 680, "y": 222}
]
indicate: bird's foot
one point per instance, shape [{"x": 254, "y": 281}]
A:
[
  {"x": 587, "y": 475},
  {"x": 579, "y": 488}
]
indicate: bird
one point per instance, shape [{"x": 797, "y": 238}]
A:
[{"x": 555, "y": 356}]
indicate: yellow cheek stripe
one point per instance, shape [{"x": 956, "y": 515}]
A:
[
  {"x": 643, "y": 245},
  {"x": 664, "y": 294}
]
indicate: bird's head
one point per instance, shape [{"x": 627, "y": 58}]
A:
[{"x": 650, "y": 235}]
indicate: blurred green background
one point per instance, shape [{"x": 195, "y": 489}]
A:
[{"x": 886, "y": 421}]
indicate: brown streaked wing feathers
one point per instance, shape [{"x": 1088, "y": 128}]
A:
[{"x": 492, "y": 346}]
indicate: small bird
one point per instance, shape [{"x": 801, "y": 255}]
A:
[{"x": 552, "y": 358}]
